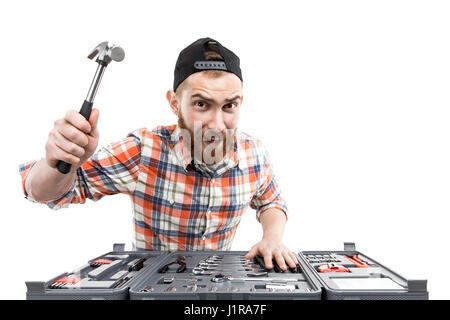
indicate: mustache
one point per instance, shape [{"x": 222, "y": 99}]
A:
[
  {"x": 213, "y": 134},
  {"x": 200, "y": 133}
]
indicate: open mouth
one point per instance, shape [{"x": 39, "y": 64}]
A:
[{"x": 211, "y": 140}]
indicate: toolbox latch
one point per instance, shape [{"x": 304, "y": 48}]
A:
[
  {"x": 417, "y": 285},
  {"x": 349, "y": 246},
  {"x": 35, "y": 286},
  {"x": 119, "y": 247}
]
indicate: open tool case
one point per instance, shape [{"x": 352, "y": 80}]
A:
[
  {"x": 107, "y": 277},
  {"x": 222, "y": 275},
  {"x": 228, "y": 275},
  {"x": 349, "y": 274}
]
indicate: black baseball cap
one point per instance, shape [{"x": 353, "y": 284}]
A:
[{"x": 192, "y": 59}]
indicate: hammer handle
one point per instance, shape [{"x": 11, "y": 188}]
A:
[{"x": 85, "y": 111}]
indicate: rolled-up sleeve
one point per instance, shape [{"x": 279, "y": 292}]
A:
[
  {"x": 113, "y": 169},
  {"x": 268, "y": 194},
  {"x": 24, "y": 170}
]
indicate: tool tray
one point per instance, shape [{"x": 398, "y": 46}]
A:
[
  {"x": 107, "y": 277},
  {"x": 351, "y": 275},
  {"x": 222, "y": 275}
]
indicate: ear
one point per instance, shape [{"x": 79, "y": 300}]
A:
[{"x": 173, "y": 102}]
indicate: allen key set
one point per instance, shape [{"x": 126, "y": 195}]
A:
[{"x": 226, "y": 275}]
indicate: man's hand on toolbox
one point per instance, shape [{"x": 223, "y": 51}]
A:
[{"x": 270, "y": 248}]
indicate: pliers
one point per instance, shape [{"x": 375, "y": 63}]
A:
[{"x": 180, "y": 261}]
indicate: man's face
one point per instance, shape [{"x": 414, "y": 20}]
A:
[{"x": 208, "y": 108}]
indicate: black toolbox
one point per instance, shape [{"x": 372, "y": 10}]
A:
[{"x": 228, "y": 275}]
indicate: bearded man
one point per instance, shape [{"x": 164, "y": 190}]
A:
[{"x": 189, "y": 183}]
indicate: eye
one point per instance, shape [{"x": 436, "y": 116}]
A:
[
  {"x": 230, "y": 106},
  {"x": 200, "y": 104}
]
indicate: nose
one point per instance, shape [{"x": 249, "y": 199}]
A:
[{"x": 216, "y": 121}]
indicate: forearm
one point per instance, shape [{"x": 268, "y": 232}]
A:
[
  {"x": 273, "y": 222},
  {"x": 45, "y": 183}
]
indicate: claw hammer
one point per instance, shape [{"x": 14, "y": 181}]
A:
[{"x": 105, "y": 53}]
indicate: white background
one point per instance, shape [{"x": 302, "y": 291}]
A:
[{"x": 351, "y": 98}]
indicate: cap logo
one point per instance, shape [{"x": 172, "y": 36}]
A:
[{"x": 210, "y": 65}]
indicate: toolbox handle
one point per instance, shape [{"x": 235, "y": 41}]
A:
[
  {"x": 119, "y": 247},
  {"x": 349, "y": 246},
  {"x": 417, "y": 285},
  {"x": 35, "y": 286}
]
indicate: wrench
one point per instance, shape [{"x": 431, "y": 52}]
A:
[{"x": 222, "y": 278}]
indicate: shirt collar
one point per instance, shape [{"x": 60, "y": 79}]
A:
[{"x": 184, "y": 157}]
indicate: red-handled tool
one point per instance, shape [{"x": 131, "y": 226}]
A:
[
  {"x": 99, "y": 262},
  {"x": 332, "y": 267},
  {"x": 63, "y": 281},
  {"x": 357, "y": 262}
]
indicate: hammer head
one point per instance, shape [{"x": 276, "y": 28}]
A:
[{"x": 106, "y": 52}]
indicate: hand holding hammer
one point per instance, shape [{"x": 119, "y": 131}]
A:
[{"x": 75, "y": 137}]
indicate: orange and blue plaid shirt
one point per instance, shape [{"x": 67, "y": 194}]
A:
[{"x": 178, "y": 205}]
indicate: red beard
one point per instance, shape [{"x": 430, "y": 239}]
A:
[{"x": 227, "y": 142}]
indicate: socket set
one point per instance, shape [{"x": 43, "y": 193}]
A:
[
  {"x": 222, "y": 275},
  {"x": 228, "y": 275}
]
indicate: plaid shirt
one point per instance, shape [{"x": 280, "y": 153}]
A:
[{"x": 178, "y": 205}]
